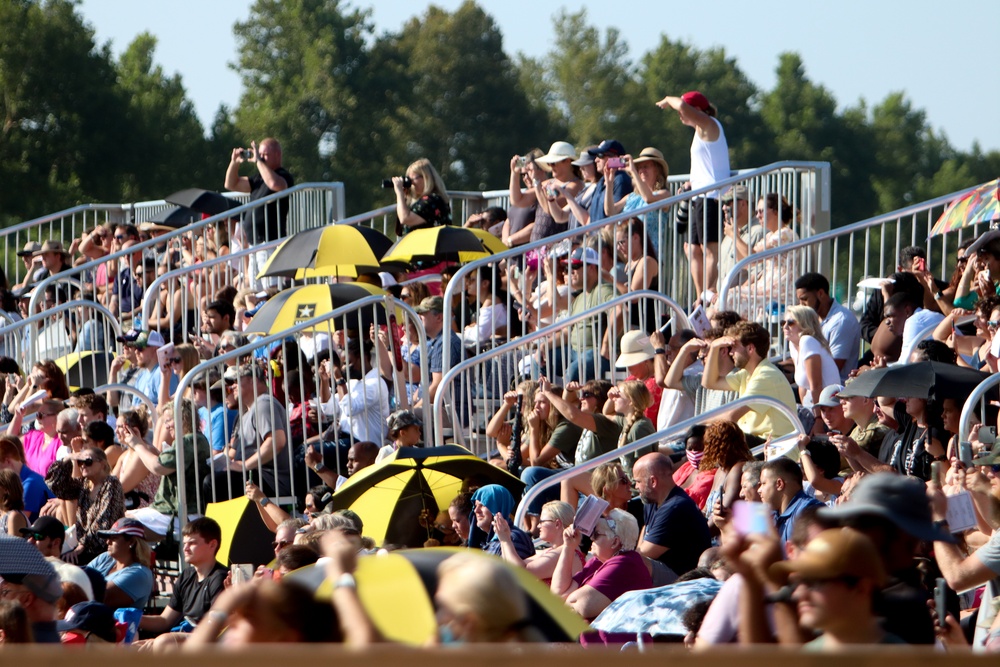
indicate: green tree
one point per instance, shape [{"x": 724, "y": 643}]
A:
[
  {"x": 310, "y": 81},
  {"x": 167, "y": 146},
  {"x": 59, "y": 110},
  {"x": 462, "y": 106}
]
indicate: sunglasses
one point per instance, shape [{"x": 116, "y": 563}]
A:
[
  {"x": 405, "y": 295},
  {"x": 993, "y": 323},
  {"x": 587, "y": 394},
  {"x": 787, "y": 323},
  {"x": 120, "y": 237},
  {"x": 38, "y": 537},
  {"x": 281, "y": 545},
  {"x": 175, "y": 360},
  {"x": 85, "y": 462}
]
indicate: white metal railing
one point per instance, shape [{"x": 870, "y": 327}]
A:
[
  {"x": 13, "y": 334},
  {"x": 655, "y": 439},
  {"x": 762, "y": 285},
  {"x": 474, "y": 370},
  {"x": 975, "y": 400}
]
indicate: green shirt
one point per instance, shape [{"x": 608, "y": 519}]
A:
[
  {"x": 582, "y": 334},
  {"x": 165, "y": 501}
]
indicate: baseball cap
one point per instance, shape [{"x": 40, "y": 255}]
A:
[
  {"x": 635, "y": 348},
  {"x": 988, "y": 458},
  {"x": 430, "y": 304},
  {"x": 585, "y": 157},
  {"x": 608, "y": 147},
  {"x": 736, "y": 192},
  {"x": 140, "y": 339},
  {"x": 584, "y": 256},
  {"x": 697, "y": 100},
  {"x": 93, "y": 617},
  {"x": 828, "y": 397},
  {"x": 46, "y": 526},
  {"x": 401, "y": 419},
  {"x": 23, "y": 564},
  {"x": 897, "y": 498},
  {"x": 124, "y": 526},
  {"x": 838, "y": 552}
]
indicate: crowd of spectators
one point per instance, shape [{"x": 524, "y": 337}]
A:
[{"x": 838, "y": 535}]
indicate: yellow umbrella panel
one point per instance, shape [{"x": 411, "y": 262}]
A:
[
  {"x": 334, "y": 250},
  {"x": 300, "y": 304},
  {"x": 444, "y": 244}
]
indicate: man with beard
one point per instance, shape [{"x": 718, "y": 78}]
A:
[
  {"x": 983, "y": 566},
  {"x": 675, "y": 531},
  {"x": 747, "y": 343}
]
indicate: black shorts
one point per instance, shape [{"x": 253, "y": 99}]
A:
[{"x": 704, "y": 214}]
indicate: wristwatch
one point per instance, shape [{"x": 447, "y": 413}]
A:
[
  {"x": 319, "y": 467},
  {"x": 346, "y": 580},
  {"x": 938, "y": 295},
  {"x": 264, "y": 502},
  {"x": 660, "y": 350}
]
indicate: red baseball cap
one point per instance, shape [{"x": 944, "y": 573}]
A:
[{"x": 697, "y": 100}]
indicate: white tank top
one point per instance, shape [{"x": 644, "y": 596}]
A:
[{"x": 709, "y": 160}]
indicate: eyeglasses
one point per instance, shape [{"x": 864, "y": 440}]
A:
[{"x": 759, "y": 213}]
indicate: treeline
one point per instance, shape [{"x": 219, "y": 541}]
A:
[{"x": 349, "y": 105}]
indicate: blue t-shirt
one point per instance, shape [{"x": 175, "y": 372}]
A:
[
  {"x": 136, "y": 580},
  {"x": 35, "y": 491},
  {"x": 622, "y": 186},
  {"x": 148, "y": 381},
  {"x": 786, "y": 520},
  {"x": 221, "y": 423},
  {"x": 678, "y": 525}
]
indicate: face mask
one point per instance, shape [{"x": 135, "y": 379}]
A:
[
  {"x": 447, "y": 636},
  {"x": 694, "y": 457}
]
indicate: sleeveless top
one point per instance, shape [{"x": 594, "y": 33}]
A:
[{"x": 709, "y": 161}]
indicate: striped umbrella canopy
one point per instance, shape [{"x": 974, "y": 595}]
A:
[{"x": 980, "y": 206}]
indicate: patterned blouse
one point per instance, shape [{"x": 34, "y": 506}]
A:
[
  {"x": 98, "y": 514},
  {"x": 432, "y": 208}
]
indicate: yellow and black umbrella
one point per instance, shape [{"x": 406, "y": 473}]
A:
[
  {"x": 444, "y": 244},
  {"x": 390, "y": 496},
  {"x": 299, "y": 304},
  {"x": 86, "y": 369},
  {"x": 334, "y": 250},
  {"x": 397, "y": 591},
  {"x": 245, "y": 536}
]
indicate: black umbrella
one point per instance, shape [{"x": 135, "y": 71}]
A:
[
  {"x": 925, "y": 379},
  {"x": 203, "y": 201},
  {"x": 245, "y": 536},
  {"x": 172, "y": 218}
]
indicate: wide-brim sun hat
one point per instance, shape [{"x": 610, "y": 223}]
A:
[
  {"x": 559, "y": 151},
  {"x": 650, "y": 154}
]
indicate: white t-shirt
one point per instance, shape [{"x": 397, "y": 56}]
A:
[
  {"x": 809, "y": 347},
  {"x": 490, "y": 319},
  {"x": 920, "y": 320}
]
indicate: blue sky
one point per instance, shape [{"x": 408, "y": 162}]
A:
[{"x": 941, "y": 54}]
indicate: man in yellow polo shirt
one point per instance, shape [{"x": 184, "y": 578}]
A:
[{"x": 748, "y": 343}]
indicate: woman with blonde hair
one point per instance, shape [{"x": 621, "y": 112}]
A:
[
  {"x": 555, "y": 517},
  {"x": 815, "y": 368},
  {"x": 480, "y": 601},
  {"x": 182, "y": 359},
  {"x": 12, "y": 518},
  {"x": 126, "y": 564},
  {"x": 101, "y": 503},
  {"x": 424, "y": 202}
]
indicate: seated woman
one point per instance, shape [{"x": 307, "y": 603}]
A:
[
  {"x": 12, "y": 517},
  {"x": 546, "y": 301},
  {"x": 641, "y": 273},
  {"x": 555, "y": 517},
  {"x": 726, "y": 452},
  {"x": 44, "y": 376},
  {"x": 100, "y": 504},
  {"x": 623, "y": 415},
  {"x": 492, "y": 504},
  {"x": 815, "y": 368},
  {"x": 608, "y": 482},
  {"x": 771, "y": 279},
  {"x": 973, "y": 351},
  {"x": 488, "y": 299},
  {"x": 41, "y": 442},
  {"x": 181, "y": 361},
  {"x": 404, "y": 431},
  {"x": 138, "y": 484},
  {"x": 616, "y": 567},
  {"x": 424, "y": 202},
  {"x": 126, "y": 565},
  {"x": 696, "y": 479}
]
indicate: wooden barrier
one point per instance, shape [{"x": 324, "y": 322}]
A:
[{"x": 552, "y": 655}]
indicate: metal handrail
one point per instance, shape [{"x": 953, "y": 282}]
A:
[
  {"x": 729, "y": 281},
  {"x": 656, "y": 438},
  {"x": 977, "y": 395},
  {"x": 121, "y": 387},
  {"x": 451, "y": 373},
  {"x": 178, "y": 233},
  {"x": 387, "y": 301},
  {"x": 84, "y": 303},
  {"x": 458, "y": 280}
]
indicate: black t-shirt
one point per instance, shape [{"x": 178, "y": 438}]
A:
[
  {"x": 680, "y": 526},
  {"x": 268, "y": 222},
  {"x": 194, "y": 598}
]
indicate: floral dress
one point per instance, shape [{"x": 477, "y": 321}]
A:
[{"x": 432, "y": 208}]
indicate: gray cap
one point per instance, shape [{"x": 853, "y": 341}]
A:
[
  {"x": 22, "y": 563},
  {"x": 401, "y": 419},
  {"x": 431, "y": 304},
  {"x": 736, "y": 192},
  {"x": 897, "y": 498}
]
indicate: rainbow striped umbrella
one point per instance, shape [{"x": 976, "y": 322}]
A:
[{"x": 980, "y": 206}]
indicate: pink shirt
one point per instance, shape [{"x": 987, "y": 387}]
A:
[{"x": 37, "y": 455}]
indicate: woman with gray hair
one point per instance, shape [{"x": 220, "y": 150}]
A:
[
  {"x": 553, "y": 520},
  {"x": 615, "y": 567}
]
